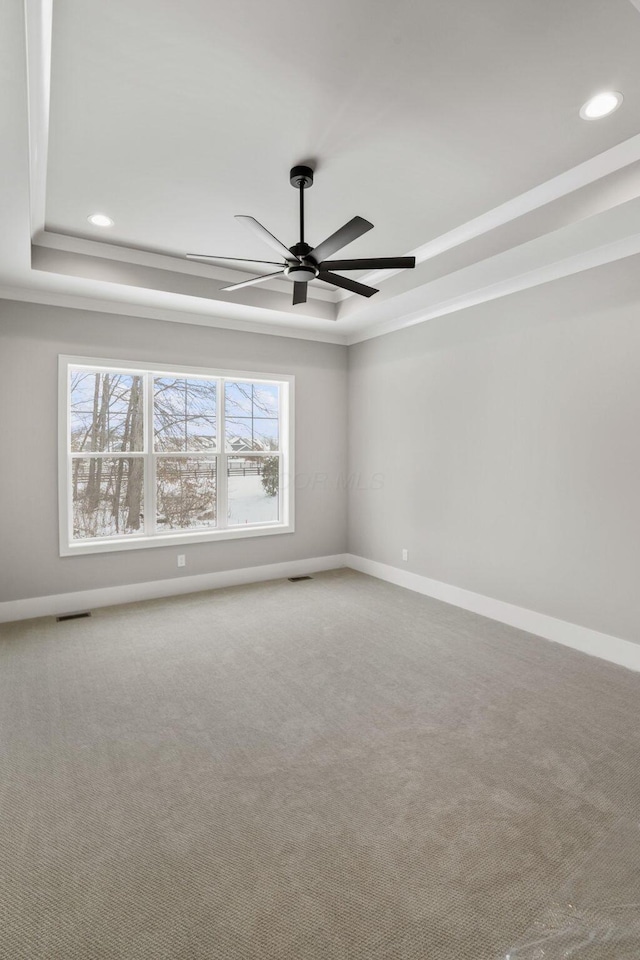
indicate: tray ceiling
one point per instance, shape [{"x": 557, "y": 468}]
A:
[{"x": 453, "y": 127}]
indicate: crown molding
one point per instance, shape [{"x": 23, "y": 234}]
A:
[{"x": 127, "y": 308}]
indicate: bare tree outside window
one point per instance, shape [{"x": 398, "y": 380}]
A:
[
  {"x": 185, "y": 421},
  {"x": 186, "y": 492},
  {"x": 107, "y": 417},
  {"x": 184, "y": 414}
]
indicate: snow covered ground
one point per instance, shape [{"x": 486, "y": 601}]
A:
[{"x": 248, "y": 502}]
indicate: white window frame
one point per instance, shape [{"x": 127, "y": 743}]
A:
[{"x": 71, "y": 548}]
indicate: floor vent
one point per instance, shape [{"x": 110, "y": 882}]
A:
[
  {"x": 297, "y": 579},
  {"x": 72, "y": 616}
]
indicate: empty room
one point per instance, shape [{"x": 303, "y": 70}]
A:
[{"x": 319, "y": 488}]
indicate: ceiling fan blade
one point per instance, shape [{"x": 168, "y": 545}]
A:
[
  {"x": 269, "y": 238},
  {"x": 250, "y": 283},
  {"x": 375, "y": 263},
  {"x": 347, "y": 234},
  {"x": 346, "y": 284},
  {"x": 299, "y": 292},
  {"x": 236, "y": 262}
]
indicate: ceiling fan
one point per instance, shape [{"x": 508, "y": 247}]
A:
[{"x": 303, "y": 263}]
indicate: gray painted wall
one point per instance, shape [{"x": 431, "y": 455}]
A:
[
  {"x": 507, "y": 440},
  {"x": 32, "y": 336},
  {"x": 499, "y": 445}
]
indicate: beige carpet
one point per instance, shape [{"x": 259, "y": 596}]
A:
[{"x": 336, "y": 769}]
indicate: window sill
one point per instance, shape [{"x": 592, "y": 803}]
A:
[{"x": 180, "y": 538}]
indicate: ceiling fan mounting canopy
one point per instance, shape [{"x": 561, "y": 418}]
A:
[
  {"x": 302, "y": 263},
  {"x": 301, "y": 177}
]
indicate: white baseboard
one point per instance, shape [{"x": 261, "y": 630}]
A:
[
  {"x": 623, "y": 652},
  {"x": 108, "y": 596}
]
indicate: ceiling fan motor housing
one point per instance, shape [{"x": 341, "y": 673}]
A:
[
  {"x": 306, "y": 269},
  {"x": 302, "y": 272}
]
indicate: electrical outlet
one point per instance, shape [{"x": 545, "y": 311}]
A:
[
  {"x": 405, "y": 554},
  {"x": 182, "y": 560}
]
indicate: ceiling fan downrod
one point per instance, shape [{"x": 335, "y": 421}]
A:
[
  {"x": 303, "y": 269},
  {"x": 302, "y": 178}
]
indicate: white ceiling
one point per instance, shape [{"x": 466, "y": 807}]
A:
[{"x": 453, "y": 127}]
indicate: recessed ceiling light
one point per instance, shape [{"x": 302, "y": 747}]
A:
[
  {"x": 100, "y": 220},
  {"x": 601, "y": 105}
]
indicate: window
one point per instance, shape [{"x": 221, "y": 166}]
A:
[{"x": 152, "y": 455}]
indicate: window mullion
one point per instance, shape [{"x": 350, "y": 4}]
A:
[
  {"x": 283, "y": 448},
  {"x": 149, "y": 461},
  {"x": 68, "y": 480},
  {"x": 282, "y": 457},
  {"x": 105, "y": 454},
  {"x": 222, "y": 479}
]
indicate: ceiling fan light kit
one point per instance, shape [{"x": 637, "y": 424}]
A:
[{"x": 304, "y": 264}]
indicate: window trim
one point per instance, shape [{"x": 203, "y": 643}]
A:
[{"x": 71, "y": 548}]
